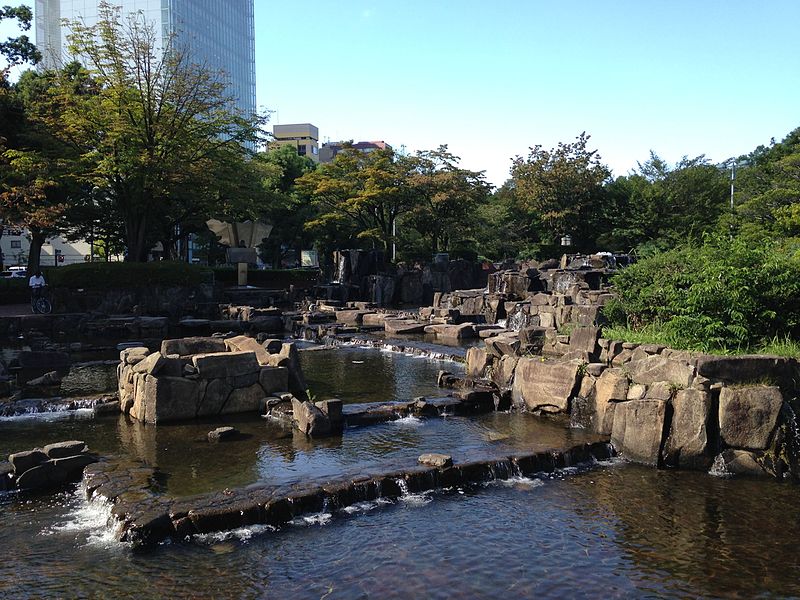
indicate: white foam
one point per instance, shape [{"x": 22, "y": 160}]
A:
[
  {"x": 91, "y": 517},
  {"x": 409, "y": 421},
  {"x": 519, "y": 481},
  {"x": 362, "y": 507},
  {"x": 417, "y": 499},
  {"x": 320, "y": 518},
  {"x": 243, "y": 534}
]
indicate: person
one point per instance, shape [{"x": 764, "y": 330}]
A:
[{"x": 36, "y": 283}]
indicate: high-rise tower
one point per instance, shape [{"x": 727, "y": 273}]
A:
[{"x": 219, "y": 33}]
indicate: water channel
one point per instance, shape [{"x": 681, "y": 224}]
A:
[{"x": 601, "y": 530}]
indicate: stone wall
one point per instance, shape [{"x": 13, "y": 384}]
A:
[
  {"x": 201, "y": 377},
  {"x": 660, "y": 406}
]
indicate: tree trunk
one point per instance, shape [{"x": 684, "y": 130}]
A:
[
  {"x": 35, "y": 253},
  {"x": 135, "y": 238}
]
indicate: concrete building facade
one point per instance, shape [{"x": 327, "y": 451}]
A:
[
  {"x": 329, "y": 150},
  {"x": 304, "y": 137}
]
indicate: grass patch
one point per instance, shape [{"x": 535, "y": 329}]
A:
[{"x": 654, "y": 334}]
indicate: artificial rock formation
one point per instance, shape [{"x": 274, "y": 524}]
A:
[{"x": 202, "y": 377}]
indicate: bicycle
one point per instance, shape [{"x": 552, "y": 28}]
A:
[{"x": 40, "y": 304}]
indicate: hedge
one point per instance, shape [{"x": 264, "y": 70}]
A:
[{"x": 110, "y": 275}]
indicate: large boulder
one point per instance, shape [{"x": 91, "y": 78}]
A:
[
  {"x": 748, "y": 415},
  {"x": 657, "y": 367},
  {"x": 289, "y": 357},
  {"x": 584, "y": 339},
  {"x": 274, "y": 379},
  {"x": 477, "y": 361},
  {"x": 611, "y": 387},
  {"x": 687, "y": 444},
  {"x": 222, "y": 365},
  {"x": 245, "y": 399},
  {"x": 733, "y": 370},
  {"x": 544, "y": 386},
  {"x": 643, "y": 430},
  {"x": 309, "y": 419},
  {"x": 170, "y": 399},
  {"x": 738, "y": 462},
  {"x": 503, "y": 373}
]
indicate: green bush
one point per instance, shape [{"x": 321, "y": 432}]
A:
[
  {"x": 725, "y": 294},
  {"x": 272, "y": 278},
  {"x": 14, "y": 290},
  {"x": 127, "y": 275}
]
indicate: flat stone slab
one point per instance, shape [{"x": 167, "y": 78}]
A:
[
  {"x": 436, "y": 460},
  {"x": 402, "y": 326},
  {"x": 63, "y": 449}
]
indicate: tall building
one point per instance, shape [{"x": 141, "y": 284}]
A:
[
  {"x": 329, "y": 150},
  {"x": 304, "y": 137},
  {"x": 218, "y": 33}
]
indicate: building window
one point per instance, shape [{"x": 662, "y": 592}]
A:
[{"x": 16, "y": 244}]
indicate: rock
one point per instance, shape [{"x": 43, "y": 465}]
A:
[
  {"x": 657, "y": 367},
  {"x": 169, "y": 399},
  {"x": 6, "y": 476},
  {"x": 440, "y": 461},
  {"x": 24, "y": 461},
  {"x": 274, "y": 379},
  {"x": 637, "y": 391},
  {"x": 151, "y": 364},
  {"x": 462, "y": 331},
  {"x": 112, "y": 407},
  {"x": 288, "y": 357},
  {"x": 332, "y": 409},
  {"x": 611, "y": 386},
  {"x": 644, "y": 430},
  {"x": 309, "y": 419},
  {"x": 585, "y": 339},
  {"x": 63, "y": 449},
  {"x": 374, "y": 319},
  {"x": 503, "y": 373},
  {"x": 544, "y": 386},
  {"x": 243, "y": 343},
  {"x": 48, "y": 379},
  {"x": 660, "y": 390},
  {"x": 749, "y": 369},
  {"x": 403, "y": 326},
  {"x": 687, "y": 444},
  {"x": 738, "y": 462},
  {"x": 220, "y": 365},
  {"x": 477, "y": 362},
  {"x": 503, "y": 345},
  {"x": 39, "y": 477},
  {"x": 246, "y": 399},
  {"x": 748, "y": 415},
  {"x": 272, "y": 345},
  {"x": 266, "y": 324},
  {"x": 73, "y": 466},
  {"x": 213, "y": 398},
  {"x": 192, "y": 345},
  {"x": 350, "y": 317},
  {"x": 222, "y": 434}
]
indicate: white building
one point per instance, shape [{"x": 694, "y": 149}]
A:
[{"x": 15, "y": 246}]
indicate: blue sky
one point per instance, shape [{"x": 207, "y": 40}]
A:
[{"x": 491, "y": 78}]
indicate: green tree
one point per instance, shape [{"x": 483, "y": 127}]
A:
[
  {"x": 359, "y": 195},
  {"x": 158, "y": 137},
  {"x": 18, "y": 50},
  {"x": 283, "y": 206},
  {"x": 563, "y": 186},
  {"x": 446, "y": 197}
]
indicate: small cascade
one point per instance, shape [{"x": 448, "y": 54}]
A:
[
  {"x": 403, "y": 485},
  {"x": 395, "y": 348},
  {"x": 718, "y": 468}
]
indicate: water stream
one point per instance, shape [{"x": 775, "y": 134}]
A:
[{"x": 611, "y": 530}]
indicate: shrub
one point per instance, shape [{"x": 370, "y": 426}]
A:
[
  {"x": 14, "y": 290},
  {"x": 127, "y": 275},
  {"x": 724, "y": 294}
]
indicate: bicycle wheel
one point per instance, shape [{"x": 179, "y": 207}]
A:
[{"x": 43, "y": 306}]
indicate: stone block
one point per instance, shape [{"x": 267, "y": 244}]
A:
[
  {"x": 23, "y": 461},
  {"x": 151, "y": 364},
  {"x": 222, "y": 434},
  {"x": 169, "y": 399},
  {"x": 309, "y": 419},
  {"x": 288, "y": 357},
  {"x": 213, "y": 398},
  {"x": 192, "y": 345},
  {"x": 244, "y": 343},
  {"x": 242, "y": 400},
  {"x": 225, "y": 364},
  {"x": 687, "y": 443},
  {"x": 612, "y": 386},
  {"x": 63, "y": 449},
  {"x": 738, "y": 462},
  {"x": 403, "y": 326},
  {"x": 657, "y": 367},
  {"x": 748, "y": 415},
  {"x": 477, "y": 361},
  {"x": 130, "y": 356},
  {"x": 432, "y": 459},
  {"x": 274, "y": 379},
  {"x": 503, "y": 373},
  {"x": 333, "y": 409},
  {"x": 644, "y": 430},
  {"x": 544, "y": 386},
  {"x": 585, "y": 339}
]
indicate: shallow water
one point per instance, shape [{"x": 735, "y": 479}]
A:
[{"x": 609, "y": 530}]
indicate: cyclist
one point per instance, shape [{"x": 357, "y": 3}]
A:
[{"x": 37, "y": 284}]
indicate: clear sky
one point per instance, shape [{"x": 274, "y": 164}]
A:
[{"x": 492, "y": 77}]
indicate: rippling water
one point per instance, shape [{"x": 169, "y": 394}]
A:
[{"x": 613, "y": 530}]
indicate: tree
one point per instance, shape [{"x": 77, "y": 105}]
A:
[
  {"x": 283, "y": 206},
  {"x": 158, "y": 137},
  {"x": 562, "y": 185},
  {"x": 446, "y": 197},
  {"x": 18, "y": 50},
  {"x": 363, "y": 194}
]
